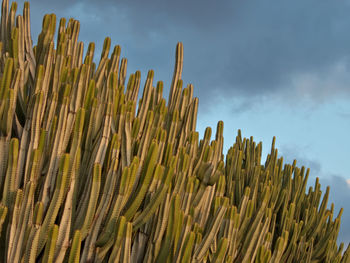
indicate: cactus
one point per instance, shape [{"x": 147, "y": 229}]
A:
[{"x": 90, "y": 174}]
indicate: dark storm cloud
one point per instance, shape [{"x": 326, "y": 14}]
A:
[{"x": 241, "y": 49}]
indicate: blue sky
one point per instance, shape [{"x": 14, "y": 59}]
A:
[{"x": 270, "y": 68}]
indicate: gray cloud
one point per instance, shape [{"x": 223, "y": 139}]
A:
[
  {"x": 344, "y": 114},
  {"x": 241, "y": 49},
  {"x": 297, "y": 152}
]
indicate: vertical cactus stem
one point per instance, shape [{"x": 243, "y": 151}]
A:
[
  {"x": 10, "y": 180},
  {"x": 126, "y": 251},
  {"x": 65, "y": 227},
  {"x": 25, "y": 210},
  {"x": 158, "y": 196},
  {"x": 14, "y": 43},
  {"x": 56, "y": 201},
  {"x": 198, "y": 241},
  {"x": 166, "y": 251},
  {"x": 12, "y": 16},
  {"x": 28, "y": 38},
  {"x": 105, "y": 199},
  {"x": 146, "y": 96},
  {"x": 52, "y": 25},
  {"x": 113, "y": 85},
  {"x": 95, "y": 189},
  {"x": 219, "y": 137},
  {"x": 106, "y": 47},
  {"x": 6, "y": 122},
  {"x": 32, "y": 246},
  {"x": 126, "y": 146},
  {"x": 175, "y": 103},
  {"x": 50, "y": 245},
  {"x": 220, "y": 190},
  {"x": 238, "y": 179},
  {"x": 121, "y": 229},
  {"x": 78, "y": 130},
  {"x": 122, "y": 72},
  {"x": 157, "y": 179},
  {"x": 177, "y": 71},
  {"x": 159, "y": 90},
  {"x": 38, "y": 213},
  {"x": 185, "y": 100},
  {"x": 188, "y": 195},
  {"x": 61, "y": 28},
  {"x": 3, "y": 214},
  {"x": 145, "y": 181},
  {"x": 35, "y": 125},
  {"x": 89, "y": 95},
  {"x": 187, "y": 248},
  {"x": 111, "y": 151},
  {"x": 4, "y": 21},
  {"x": 113, "y": 63},
  {"x": 132, "y": 178},
  {"x": 135, "y": 128},
  {"x": 186, "y": 222},
  {"x": 105, "y": 240},
  {"x": 207, "y": 136},
  {"x": 263, "y": 255},
  {"x": 129, "y": 86},
  {"x": 179, "y": 222},
  {"x": 221, "y": 250},
  {"x": 173, "y": 126},
  {"x": 74, "y": 255},
  {"x": 91, "y": 50},
  {"x": 214, "y": 228},
  {"x": 20, "y": 49},
  {"x": 15, "y": 219},
  {"x": 5, "y": 82},
  {"x": 136, "y": 85}
]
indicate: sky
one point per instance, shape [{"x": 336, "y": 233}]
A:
[{"x": 270, "y": 68}]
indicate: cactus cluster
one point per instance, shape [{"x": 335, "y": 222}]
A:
[{"x": 89, "y": 175}]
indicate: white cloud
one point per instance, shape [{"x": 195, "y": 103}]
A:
[
  {"x": 348, "y": 182},
  {"x": 323, "y": 85}
]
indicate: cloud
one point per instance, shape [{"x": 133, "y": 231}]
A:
[
  {"x": 298, "y": 153},
  {"x": 242, "y": 49}
]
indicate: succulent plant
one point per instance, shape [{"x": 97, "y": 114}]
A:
[{"x": 87, "y": 174}]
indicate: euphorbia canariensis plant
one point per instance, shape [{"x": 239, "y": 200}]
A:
[{"x": 90, "y": 174}]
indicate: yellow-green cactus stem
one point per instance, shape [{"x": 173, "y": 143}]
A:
[
  {"x": 74, "y": 255},
  {"x": 144, "y": 181},
  {"x": 91, "y": 207},
  {"x": 51, "y": 244}
]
